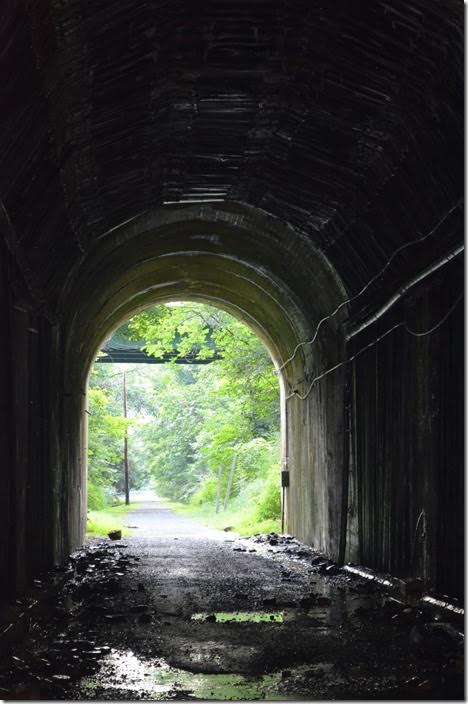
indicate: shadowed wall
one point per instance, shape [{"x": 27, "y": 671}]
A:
[{"x": 278, "y": 159}]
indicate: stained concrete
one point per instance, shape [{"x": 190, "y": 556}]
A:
[{"x": 281, "y": 160}]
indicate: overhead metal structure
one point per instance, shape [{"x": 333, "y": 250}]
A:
[{"x": 119, "y": 349}]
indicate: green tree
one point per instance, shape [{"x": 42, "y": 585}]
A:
[
  {"x": 106, "y": 430},
  {"x": 188, "y": 421},
  {"x": 206, "y": 414},
  {"x": 105, "y": 435}
]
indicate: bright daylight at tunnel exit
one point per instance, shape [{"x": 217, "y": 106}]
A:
[
  {"x": 233, "y": 362},
  {"x": 183, "y": 419}
]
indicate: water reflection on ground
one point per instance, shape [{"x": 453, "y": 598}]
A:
[{"x": 123, "y": 670}]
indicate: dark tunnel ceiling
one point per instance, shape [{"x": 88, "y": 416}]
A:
[{"x": 321, "y": 114}]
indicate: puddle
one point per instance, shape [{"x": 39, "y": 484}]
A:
[
  {"x": 241, "y": 616},
  {"x": 157, "y": 681},
  {"x": 316, "y": 617}
]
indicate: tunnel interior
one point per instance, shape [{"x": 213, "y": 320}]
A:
[
  {"x": 299, "y": 166},
  {"x": 214, "y": 263}
]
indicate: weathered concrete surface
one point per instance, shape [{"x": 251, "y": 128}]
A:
[
  {"x": 167, "y": 617},
  {"x": 277, "y": 159},
  {"x": 232, "y": 256}
]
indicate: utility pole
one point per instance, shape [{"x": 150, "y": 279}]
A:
[{"x": 124, "y": 397}]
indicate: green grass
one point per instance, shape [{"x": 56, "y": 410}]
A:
[
  {"x": 99, "y": 523},
  {"x": 242, "y": 521}
]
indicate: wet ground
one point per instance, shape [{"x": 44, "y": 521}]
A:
[{"x": 181, "y": 612}]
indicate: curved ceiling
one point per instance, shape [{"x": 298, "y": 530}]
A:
[
  {"x": 344, "y": 120},
  {"x": 230, "y": 257}
]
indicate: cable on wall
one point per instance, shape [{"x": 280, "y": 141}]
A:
[
  {"x": 402, "y": 324},
  {"x": 404, "y": 290},
  {"x": 369, "y": 283}
]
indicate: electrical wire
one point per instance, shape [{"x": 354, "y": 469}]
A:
[
  {"x": 441, "y": 322},
  {"x": 369, "y": 283},
  {"x": 403, "y": 290},
  {"x": 402, "y": 324}
]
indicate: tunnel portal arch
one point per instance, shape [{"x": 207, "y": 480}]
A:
[
  {"x": 251, "y": 265},
  {"x": 162, "y": 298}
]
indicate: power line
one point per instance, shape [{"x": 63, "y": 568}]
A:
[
  {"x": 369, "y": 283},
  {"x": 402, "y": 324},
  {"x": 428, "y": 332}
]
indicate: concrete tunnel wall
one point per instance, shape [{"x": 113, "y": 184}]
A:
[
  {"x": 233, "y": 258},
  {"x": 332, "y": 139}
]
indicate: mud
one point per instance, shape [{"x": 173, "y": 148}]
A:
[{"x": 225, "y": 619}]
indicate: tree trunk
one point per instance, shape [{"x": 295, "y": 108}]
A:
[
  {"x": 231, "y": 475},
  {"x": 218, "y": 493}
]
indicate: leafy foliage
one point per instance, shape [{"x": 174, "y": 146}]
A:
[
  {"x": 187, "y": 422},
  {"x": 106, "y": 431}
]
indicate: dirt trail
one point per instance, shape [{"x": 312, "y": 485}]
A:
[{"x": 153, "y": 518}]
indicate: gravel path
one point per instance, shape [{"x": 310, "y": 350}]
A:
[
  {"x": 154, "y": 519},
  {"x": 179, "y": 611}
]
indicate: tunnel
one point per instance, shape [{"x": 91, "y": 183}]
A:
[{"x": 299, "y": 165}]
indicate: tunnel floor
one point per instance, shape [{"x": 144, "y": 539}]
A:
[{"x": 180, "y": 612}]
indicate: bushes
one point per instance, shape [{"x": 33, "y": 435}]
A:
[
  {"x": 256, "y": 505},
  {"x": 96, "y": 497},
  {"x": 258, "y": 457},
  {"x": 269, "y": 500},
  {"x": 206, "y": 493},
  {"x": 256, "y": 509}
]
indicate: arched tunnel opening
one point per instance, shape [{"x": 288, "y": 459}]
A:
[
  {"x": 183, "y": 413},
  {"x": 299, "y": 166},
  {"x": 214, "y": 262}
]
